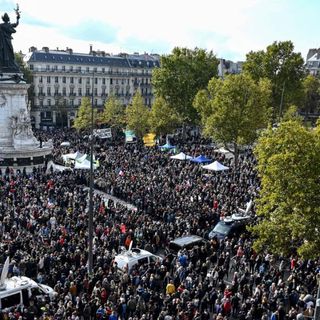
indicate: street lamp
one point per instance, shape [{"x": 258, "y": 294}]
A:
[{"x": 90, "y": 223}]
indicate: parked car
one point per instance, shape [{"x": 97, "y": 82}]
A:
[
  {"x": 127, "y": 259},
  {"x": 228, "y": 228},
  {"x": 186, "y": 242}
]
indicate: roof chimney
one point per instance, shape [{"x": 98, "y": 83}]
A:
[{"x": 90, "y": 49}]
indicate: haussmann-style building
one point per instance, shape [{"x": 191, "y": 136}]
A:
[{"x": 61, "y": 78}]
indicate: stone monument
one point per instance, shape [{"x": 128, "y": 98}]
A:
[{"x": 18, "y": 146}]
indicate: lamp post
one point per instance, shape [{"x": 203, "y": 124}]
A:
[{"x": 90, "y": 223}]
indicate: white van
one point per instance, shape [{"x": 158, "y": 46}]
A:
[
  {"x": 18, "y": 291},
  {"x": 129, "y": 258}
]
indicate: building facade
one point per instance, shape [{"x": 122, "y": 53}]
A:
[
  {"x": 226, "y": 67},
  {"x": 313, "y": 62},
  {"x": 61, "y": 78}
]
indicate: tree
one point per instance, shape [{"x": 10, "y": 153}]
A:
[
  {"x": 182, "y": 74},
  {"x": 311, "y": 90},
  {"x": 284, "y": 68},
  {"x": 138, "y": 116},
  {"x": 27, "y": 74},
  {"x": 289, "y": 167},
  {"x": 113, "y": 113},
  {"x": 163, "y": 119},
  {"x": 232, "y": 110},
  {"x": 83, "y": 118}
]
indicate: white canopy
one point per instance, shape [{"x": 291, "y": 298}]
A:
[
  {"x": 71, "y": 156},
  {"x": 181, "y": 156},
  {"x": 84, "y": 162},
  {"x": 215, "y": 166},
  {"x": 226, "y": 152},
  {"x": 56, "y": 167}
]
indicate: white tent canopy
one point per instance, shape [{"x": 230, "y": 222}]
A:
[
  {"x": 181, "y": 156},
  {"x": 71, "y": 156},
  {"x": 225, "y": 152},
  {"x": 215, "y": 166}
]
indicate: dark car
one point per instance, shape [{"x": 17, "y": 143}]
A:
[
  {"x": 228, "y": 228},
  {"x": 186, "y": 242}
]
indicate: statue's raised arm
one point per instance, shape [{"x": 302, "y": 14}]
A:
[{"x": 7, "y": 61}]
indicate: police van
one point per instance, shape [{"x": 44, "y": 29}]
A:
[
  {"x": 19, "y": 291},
  {"x": 127, "y": 259}
]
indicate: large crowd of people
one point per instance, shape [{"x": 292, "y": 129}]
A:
[{"x": 44, "y": 231}]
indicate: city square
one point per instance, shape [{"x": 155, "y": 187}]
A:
[{"x": 158, "y": 185}]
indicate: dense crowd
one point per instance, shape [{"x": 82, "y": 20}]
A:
[{"x": 44, "y": 231}]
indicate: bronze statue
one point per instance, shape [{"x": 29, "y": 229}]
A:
[{"x": 7, "y": 61}]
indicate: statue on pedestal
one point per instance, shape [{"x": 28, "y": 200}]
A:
[
  {"x": 7, "y": 61},
  {"x": 22, "y": 134}
]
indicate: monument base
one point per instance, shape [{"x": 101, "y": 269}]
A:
[{"x": 25, "y": 158}]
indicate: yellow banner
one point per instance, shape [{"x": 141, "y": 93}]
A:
[{"x": 149, "y": 140}]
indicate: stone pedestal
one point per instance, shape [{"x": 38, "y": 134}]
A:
[{"x": 18, "y": 146}]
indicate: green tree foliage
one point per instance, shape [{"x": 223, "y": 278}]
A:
[
  {"x": 163, "y": 119},
  {"x": 311, "y": 90},
  {"x": 83, "y": 118},
  {"x": 113, "y": 113},
  {"x": 182, "y": 74},
  {"x": 27, "y": 74},
  {"x": 284, "y": 68},
  {"x": 138, "y": 116},
  {"x": 232, "y": 110},
  {"x": 289, "y": 167}
]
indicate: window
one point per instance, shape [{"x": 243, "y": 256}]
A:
[
  {"x": 31, "y": 66},
  {"x": 64, "y": 91},
  {"x": 79, "y": 102},
  {"x": 48, "y": 91},
  {"x": 49, "y": 102},
  {"x": 47, "y": 67},
  {"x": 55, "y": 68},
  {"x": 95, "y": 80},
  {"x": 71, "y": 80},
  {"x": 95, "y": 102},
  {"x": 71, "y": 68},
  {"x": 10, "y": 301},
  {"x": 80, "y": 80},
  {"x": 95, "y": 91},
  {"x": 88, "y": 81},
  {"x": 110, "y": 80},
  {"x": 143, "y": 261},
  {"x": 103, "y": 69},
  {"x": 56, "y": 79},
  {"x": 87, "y": 91},
  {"x": 48, "y": 79},
  {"x": 103, "y": 81},
  {"x": 63, "y": 68},
  {"x": 71, "y": 103},
  {"x": 87, "y": 69},
  {"x": 80, "y": 92},
  {"x": 40, "y": 79},
  {"x": 63, "y": 79},
  {"x": 94, "y": 69}
]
